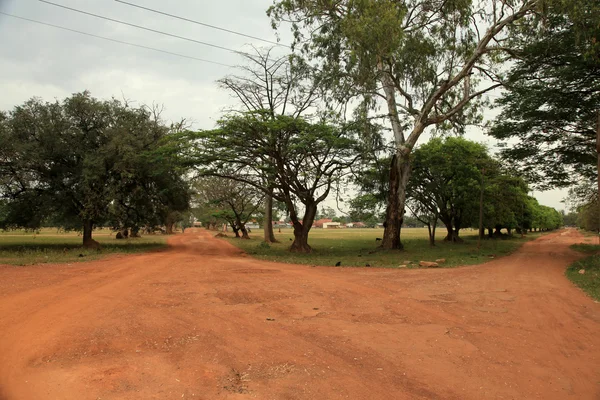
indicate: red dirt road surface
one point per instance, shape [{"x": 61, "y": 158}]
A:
[{"x": 202, "y": 321}]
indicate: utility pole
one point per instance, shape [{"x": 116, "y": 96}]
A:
[{"x": 481, "y": 203}]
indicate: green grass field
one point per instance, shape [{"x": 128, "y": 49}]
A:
[
  {"x": 589, "y": 281},
  {"x": 52, "y": 246},
  {"x": 358, "y": 247}
]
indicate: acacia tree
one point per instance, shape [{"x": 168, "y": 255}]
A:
[
  {"x": 304, "y": 160},
  {"x": 427, "y": 60},
  {"x": 279, "y": 86},
  {"x": 234, "y": 201}
]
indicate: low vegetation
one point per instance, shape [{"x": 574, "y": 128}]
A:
[
  {"x": 585, "y": 273},
  {"x": 359, "y": 247},
  {"x": 52, "y": 246}
]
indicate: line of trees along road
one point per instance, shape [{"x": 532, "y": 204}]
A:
[
  {"x": 82, "y": 162},
  {"x": 412, "y": 66}
]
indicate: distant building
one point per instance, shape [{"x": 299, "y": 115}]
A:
[
  {"x": 332, "y": 225},
  {"x": 319, "y": 223},
  {"x": 252, "y": 225}
]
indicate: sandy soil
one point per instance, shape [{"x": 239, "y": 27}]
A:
[{"x": 202, "y": 321}]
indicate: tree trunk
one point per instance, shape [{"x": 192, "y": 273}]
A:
[
  {"x": 431, "y": 231},
  {"x": 244, "y": 232},
  {"x": 490, "y": 233},
  {"x": 235, "y": 230},
  {"x": 399, "y": 174},
  {"x": 301, "y": 229},
  {"x": 452, "y": 235},
  {"x": 135, "y": 232},
  {"x": 88, "y": 226},
  {"x": 598, "y": 151},
  {"x": 169, "y": 228},
  {"x": 481, "y": 210},
  {"x": 242, "y": 228},
  {"x": 268, "y": 228}
]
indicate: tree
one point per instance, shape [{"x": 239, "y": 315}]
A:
[
  {"x": 304, "y": 160},
  {"x": 278, "y": 86},
  {"x": 425, "y": 213},
  {"x": 327, "y": 212},
  {"x": 147, "y": 187},
  {"x": 551, "y": 103},
  {"x": 366, "y": 208},
  {"x": 67, "y": 162},
  {"x": 233, "y": 201},
  {"x": 505, "y": 202},
  {"x": 446, "y": 180},
  {"x": 427, "y": 60}
]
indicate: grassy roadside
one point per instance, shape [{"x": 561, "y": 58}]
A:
[
  {"x": 358, "y": 247},
  {"x": 52, "y": 246},
  {"x": 589, "y": 281}
]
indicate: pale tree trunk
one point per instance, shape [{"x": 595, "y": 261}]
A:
[
  {"x": 88, "y": 226},
  {"x": 268, "y": 228},
  {"x": 399, "y": 174}
]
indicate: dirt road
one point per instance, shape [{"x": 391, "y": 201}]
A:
[{"x": 201, "y": 321}]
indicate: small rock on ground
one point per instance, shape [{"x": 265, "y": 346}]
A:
[{"x": 428, "y": 264}]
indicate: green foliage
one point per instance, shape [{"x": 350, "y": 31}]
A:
[
  {"x": 446, "y": 180},
  {"x": 587, "y": 216},
  {"x": 430, "y": 61},
  {"x": 553, "y": 96},
  {"x": 570, "y": 219},
  {"x": 299, "y": 160},
  {"x": 228, "y": 200},
  {"x": 586, "y": 248},
  {"x": 366, "y": 208},
  {"x": 82, "y": 162},
  {"x": 589, "y": 282}
]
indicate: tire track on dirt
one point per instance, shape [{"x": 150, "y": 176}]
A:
[{"x": 204, "y": 321}]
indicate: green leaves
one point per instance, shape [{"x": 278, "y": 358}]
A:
[
  {"x": 85, "y": 159},
  {"x": 553, "y": 95}
]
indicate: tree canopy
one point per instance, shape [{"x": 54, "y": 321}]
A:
[
  {"x": 425, "y": 62},
  {"x": 551, "y": 103},
  {"x": 303, "y": 161},
  {"x": 82, "y": 162}
]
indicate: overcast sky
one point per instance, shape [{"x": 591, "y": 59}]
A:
[{"x": 51, "y": 63}]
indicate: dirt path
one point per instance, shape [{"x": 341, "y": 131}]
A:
[{"x": 202, "y": 321}]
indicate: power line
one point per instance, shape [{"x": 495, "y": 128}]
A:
[
  {"x": 141, "y": 27},
  {"x": 200, "y": 23},
  {"x": 114, "y": 40}
]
